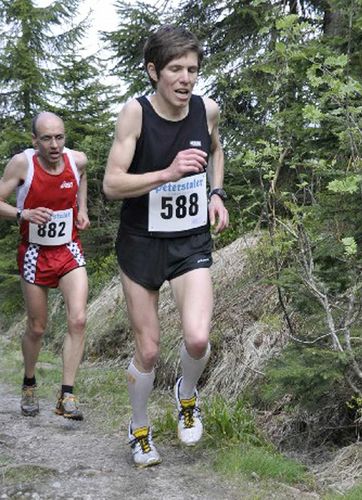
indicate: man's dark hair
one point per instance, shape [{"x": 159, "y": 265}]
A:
[{"x": 167, "y": 43}]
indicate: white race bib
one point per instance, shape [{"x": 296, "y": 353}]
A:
[
  {"x": 178, "y": 206},
  {"x": 58, "y": 231}
]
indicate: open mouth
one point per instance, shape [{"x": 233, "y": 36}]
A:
[{"x": 183, "y": 92}]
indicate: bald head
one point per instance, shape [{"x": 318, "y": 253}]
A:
[
  {"x": 45, "y": 117},
  {"x": 48, "y": 138}
]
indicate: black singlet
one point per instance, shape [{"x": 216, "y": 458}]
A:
[{"x": 159, "y": 142}]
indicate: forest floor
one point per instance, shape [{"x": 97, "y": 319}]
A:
[{"x": 49, "y": 457}]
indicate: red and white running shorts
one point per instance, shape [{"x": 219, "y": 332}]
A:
[{"x": 45, "y": 265}]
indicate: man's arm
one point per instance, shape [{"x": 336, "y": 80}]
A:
[
  {"x": 14, "y": 174},
  {"x": 217, "y": 211},
  {"x": 81, "y": 161},
  {"x": 118, "y": 183}
]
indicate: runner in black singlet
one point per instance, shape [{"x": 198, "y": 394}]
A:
[{"x": 165, "y": 152}]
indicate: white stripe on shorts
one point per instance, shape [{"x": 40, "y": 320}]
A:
[
  {"x": 77, "y": 254},
  {"x": 30, "y": 261}
]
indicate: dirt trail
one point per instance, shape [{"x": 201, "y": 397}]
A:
[
  {"x": 70, "y": 460},
  {"x": 48, "y": 457}
]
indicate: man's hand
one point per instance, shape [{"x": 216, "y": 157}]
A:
[
  {"x": 218, "y": 214},
  {"x": 188, "y": 161},
  {"x": 82, "y": 221},
  {"x": 40, "y": 215}
]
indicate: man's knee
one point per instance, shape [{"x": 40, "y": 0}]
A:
[
  {"x": 35, "y": 329},
  {"x": 147, "y": 356},
  {"x": 77, "y": 323},
  {"x": 197, "y": 346}
]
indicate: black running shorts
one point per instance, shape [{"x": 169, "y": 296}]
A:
[{"x": 150, "y": 261}]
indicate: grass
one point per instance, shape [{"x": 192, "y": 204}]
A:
[
  {"x": 260, "y": 463},
  {"x": 354, "y": 493},
  {"x": 237, "y": 444},
  {"x": 231, "y": 423},
  {"x": 25, "y": 473},
  {"x": 104, "y": 390},
  {"x": 4, "y": 460},
  {"x": 241, "y": 447},
  {"x": 49, "y": 369}
]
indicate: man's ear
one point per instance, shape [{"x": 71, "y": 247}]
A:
[
  {"x": 152, "y": 73},
  {"x": 34, "y": 140}
]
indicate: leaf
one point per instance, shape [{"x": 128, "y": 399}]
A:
[
  {"x": 286, "y": 22},
  {"x": 348, "y": 185},
  {"x": 350, "y": 246},
  {"x": 340, "y": 61}
]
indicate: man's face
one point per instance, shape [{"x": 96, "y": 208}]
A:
[
  {"x": 177, "y": 79},
  {"x": 49, "y": 139}
]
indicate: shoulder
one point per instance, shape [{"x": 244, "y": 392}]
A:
[
  {"x": 131, "y": 110},
  {"x": 129, "y": 120},
  {"x": 18, "y": 166},
  {"x": 212, "y": 109},
  {"x": 80, "y": 158},
  {"x": 14, "y": 175}
]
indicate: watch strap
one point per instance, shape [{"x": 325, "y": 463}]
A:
[{"x": 220, "y": 192}]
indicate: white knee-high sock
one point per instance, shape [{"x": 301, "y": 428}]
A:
[
  {"x": 191, "y": 371},
  {"x": 140, "y": 385}
]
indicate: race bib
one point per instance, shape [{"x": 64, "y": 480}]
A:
[
  {"x": 178, "y": 206},
  {"x": 58, "y": 231}
]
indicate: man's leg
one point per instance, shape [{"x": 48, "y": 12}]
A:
[
  {"x": 36, "y": 300},
  {"x": 194, "y": 299},
  {"x": 74, "y": 287},
  {"x": 142, "y": 306}
]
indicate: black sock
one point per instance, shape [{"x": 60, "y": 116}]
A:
[
  {"x": 29, "y": 381},
  {"x": 67, "y": 388}
]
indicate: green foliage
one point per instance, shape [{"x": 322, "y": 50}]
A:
[
  {"x": 126, "y": 44},
  {"x": 350, "y": 246},
  {"x": 29, "y": 50},
  {"x": 84, "y": 104},
  {"x": 165, "y": 423},
  {"x": 350, "y": 184},
  {"x": 354, "y": 493},
  {"x": 49, "y": 368},
  {"x": 11, "y": 302},
  {"x": 308, "y": 375},
  {"x": 100, "y": 272},
  {"x": 355, "y": 404},
  {"x": 105, "y": 387},
  {"x": 225, "y": 424},
  {"x": 260, "y": 463},
  {"x": 228, "y": 424}
]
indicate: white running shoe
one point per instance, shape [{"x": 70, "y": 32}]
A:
[
  {"x": 143, "y": 450},
  {"x": 189, "y": 428}
]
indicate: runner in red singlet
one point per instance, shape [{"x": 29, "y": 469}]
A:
[{"x": 51, "y": 197}]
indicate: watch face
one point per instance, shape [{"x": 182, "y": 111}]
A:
[{"x": 220, "y": 192}]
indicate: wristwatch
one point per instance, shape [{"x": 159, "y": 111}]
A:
[
  {"x": 18, "y": 215},
  {"x": 220, "y": 192}
]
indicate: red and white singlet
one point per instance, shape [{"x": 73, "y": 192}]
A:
[{"x": 49, "y": 251}]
